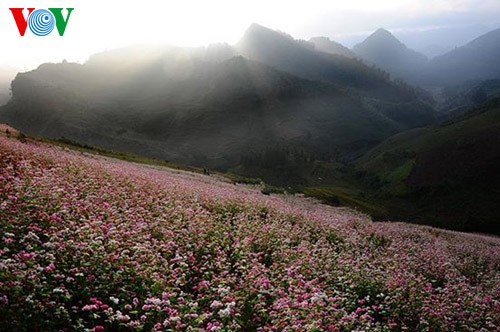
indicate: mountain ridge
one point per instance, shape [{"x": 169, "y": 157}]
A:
[
  {"x": 475, "y": 60},
  {"x": 324, "y": 44},
  {"x": 384, "y": 50},
  {"x": 204, "y": 105}
]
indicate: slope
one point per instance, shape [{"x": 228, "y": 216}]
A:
[
  {"x": 445, "y": 175},
  {"x": 324, "y": 44},
  {"x": 175, "y": 104},
  {"x": 476, "y": 60},
  {"x": 385, "y": 51},
  {"x": 406, "y": 106},
  {"x": 90, "y": 243}
]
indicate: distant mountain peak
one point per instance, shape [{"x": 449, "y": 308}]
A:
[
  {"x": 382, "y": 31},
  {"x": 384, "y": 50},
  {"x": 384, "y": 36},
  {"x": 257, "y": 30},
  {"x": 256, "y": 26}
]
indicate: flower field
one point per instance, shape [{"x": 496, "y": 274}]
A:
[{"x": 95, "y": 244}]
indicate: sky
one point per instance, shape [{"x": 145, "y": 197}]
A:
[{"x": 96, "y": 26}]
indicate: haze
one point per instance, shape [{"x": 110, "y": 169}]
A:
[{"x": 96, "y": 25}]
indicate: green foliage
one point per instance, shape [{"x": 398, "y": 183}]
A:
[
  {"x": 22, "y": 137},
  {"x": 236, "y": 178},
  {"x": 268, "y": 189},
  {"x": 334, "y": 196}
]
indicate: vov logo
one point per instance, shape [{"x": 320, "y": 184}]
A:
[{"x": 41, "y": 21}]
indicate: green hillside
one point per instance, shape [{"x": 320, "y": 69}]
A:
[{"x": 445, "y": 175}]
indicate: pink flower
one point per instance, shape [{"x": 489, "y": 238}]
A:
[
  {"x": 51, "y": 267},
  {"x": 98, "y": 328},
  {"x": 264, "y": 282}
]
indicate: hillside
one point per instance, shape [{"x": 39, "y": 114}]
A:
[
  {"x": 100, "y": 244},
  {"x": 385, "y": 51},
  {"x": 179, "y": 107},
  {"x": 405, "y": 105},
  {"x": 457, "y": 100},
  {"x": 448, "y": 174},
  {"x": 324, "y": 44},
  {"x": 437, "y": 41},
  {"x": 208, "y": 107},
  {"x": 475, "y": 60}
]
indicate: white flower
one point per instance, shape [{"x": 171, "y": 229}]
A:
[
  {"x": 223, "y": 291},
  {"x": 121, "y": 317},
  {"x": 224, "y": 312},
  {"x": 215, "y": 304},
  {"x": 114, "y": 300},
  {"x": 48, "y": 245}
]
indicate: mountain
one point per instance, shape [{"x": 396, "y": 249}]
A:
[
  {"x": 385, "y": 51},
  {"x": 4, "y": 96},
  {"x": 172, "y": 103},
  {"x": 437, "y": 41},
  {"x": 477, "y": 60},
  {"x": 324, "y": 44},
  {"x": 445, "y": 175},
  {"x": 205, "y": 106},
  {"x": 403, "y": 104},
  {"x": 457, "y": 100}
]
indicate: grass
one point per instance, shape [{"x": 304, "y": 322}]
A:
[
  {"x": 125, "y": 156},
  {"x": 337, "y": 196}
]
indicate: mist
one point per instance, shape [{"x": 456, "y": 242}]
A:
[{"x": 99, "y": 27}]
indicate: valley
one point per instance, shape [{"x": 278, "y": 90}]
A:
[{"x": 303, "y": 117}]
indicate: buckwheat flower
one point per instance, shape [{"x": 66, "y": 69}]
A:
[
  {"x": 224, "y": 312},
  {"x": 215, "y": 304},
  {"x": 114, "y": 300},
  {"x": 223, "y": 290},
  {"x": 51, "y": 267},
  {"x": 32, "y": 237},
  {"x": 48, "y": 245},
  {"x": 89, "y": 307},
  {"x": 133, "y": 323},
  {"x": 153, "y": 300},
  {"x": 213, "y": 326},
  {"x": 121, "y": 317}
]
